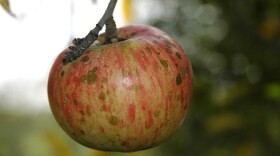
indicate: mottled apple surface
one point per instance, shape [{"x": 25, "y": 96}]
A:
[{"x": 125, "y": 96}]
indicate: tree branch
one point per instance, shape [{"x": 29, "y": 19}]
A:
[{"x": 82, "y": 44}]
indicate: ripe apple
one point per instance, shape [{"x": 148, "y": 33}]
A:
[{"x": 125, "y": 96}]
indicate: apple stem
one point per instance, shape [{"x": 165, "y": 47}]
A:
[
  {"x": 111, "y": 33},
  {"x": 81, "y": 44}
]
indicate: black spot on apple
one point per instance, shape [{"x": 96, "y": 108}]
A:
[
  {"x": 82, "y": 112},
  {"x": 179, "y": 56},
  {"x": 168, "y": 46},
  {"x": 82, "y": 132},
  {"x": 148, "y": 49},
  {"x": 114, "y": 120},
  {"x": 164, "y": 63},
  {"x": 85, "y": 59},
  {"x": 102, "y": 96},
  {"x": 157, "y": 113},
  {"x": 62, "y": 73},
  {"x": 125, "y": 143},
  {"x": 90, "y": 77},
  {"x": 178, "y": 79}
]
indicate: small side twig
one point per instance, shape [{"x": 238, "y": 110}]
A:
[{"x": 82, "y": 44}]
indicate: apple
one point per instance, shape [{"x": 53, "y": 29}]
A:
[{"x": 124, "y": 96}]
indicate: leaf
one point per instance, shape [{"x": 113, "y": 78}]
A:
[
  {"x": 6, "y": 5},
  {"x": 127, "y": 10}
]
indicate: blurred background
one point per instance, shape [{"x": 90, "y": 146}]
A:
[{"x": 234, "y": 47}]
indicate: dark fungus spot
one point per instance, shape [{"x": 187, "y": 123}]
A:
[
  {"x": 157, "y": 113},
  {"x": 179, "y": 56},
  {"x": 90, "y": 77},
  {"x": 178, "y": 79},
  {"x": 148, "y": 49},
  {"x": 114, "y": 120},
  {"x": 62, "y": 73},
  {"x": 93, "y": 70},
  {"x": 168, "y": 46},
  {"x": 164, "y": 63},
  {"x": 82, "y": 132},
  {"x": 85, "y": 59},
  {"x": 125, "y": 143},
  {"x": 82, "y": 112},
  {"x": 102, "y": 96}
]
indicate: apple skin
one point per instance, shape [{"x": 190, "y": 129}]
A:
[{"x": 125, "y": 96}]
